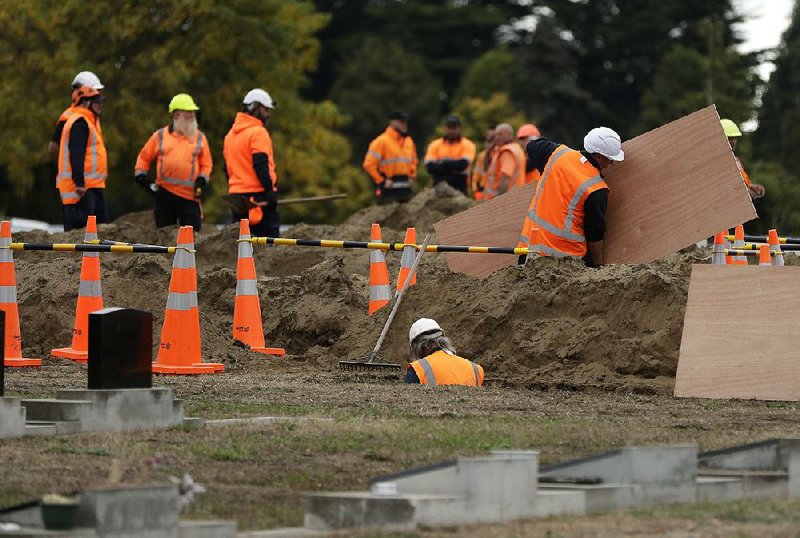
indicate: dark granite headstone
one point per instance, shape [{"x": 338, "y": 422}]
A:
[
  {"x": 120, "y": 349},
  {"x": 2, "y": 350}
]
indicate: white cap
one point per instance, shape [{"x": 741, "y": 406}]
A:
[
  {"x": 258, "y": 96},
  {"x": 87, "y": 78},
  {"x": 422, "y": 326},
  {"x": 604, "y": 141}
]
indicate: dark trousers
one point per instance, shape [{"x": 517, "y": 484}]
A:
[
  {"x": 92, "y": 203},
  {"x": 171, "y": 209},
  {"x": 457, "y": 181},
  {"x": 401, "y": 195},
  {"x": 270, "y": 222}
]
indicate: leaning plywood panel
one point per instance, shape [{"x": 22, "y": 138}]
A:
[
  {"x": 495, "y": 223},
  {"x": 740, "y": 334},
  {"x": 678, "y": 185}
]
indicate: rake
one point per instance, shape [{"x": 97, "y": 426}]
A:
[{"x": 371, "y": 362}]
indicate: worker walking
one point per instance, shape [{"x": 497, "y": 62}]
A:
[
  {"x": 82, "y": 161},
  {"x": 250, "y": 164},
  {"x": 391, "y": 161},
  {"x": 448, "y": 158},
  {"x": 435, "y": 361},
  {"x": 507, "y": 168},
  {"x": 733, "y": 133},
  {"x": 567, "y": 214},
  {"x": 525, "y": 134},
  {"x": 183, "y": 166},
  {"x": 480, "y": 170},
  {"x": 84, "y": 78}
]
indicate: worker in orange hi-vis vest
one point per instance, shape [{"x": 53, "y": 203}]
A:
[
  {"x": 391, "y": 161},
  {"x": 733, "y": 133},
  {"x": 434, "y": 361},
  {"x": 449, "y": 157},
  {"x": 507, "y": 168},
  {"x": 480, "y": 170},
  {"x": 84, "y": 78}
]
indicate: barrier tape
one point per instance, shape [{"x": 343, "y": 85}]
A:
[
  {"x": 791, "y": 247},
  {"x": 80, "y": 247},
  {"x": 328, "y": 243},
  {"x": 764, "y": 239}
]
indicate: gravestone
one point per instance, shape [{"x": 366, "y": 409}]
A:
[{"x": 120, "y": 349}]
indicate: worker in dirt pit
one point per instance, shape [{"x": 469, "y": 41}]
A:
[
  {"x": 525, "y": 134},
  {"x": 435, "y": 361},
  {"x": 84, "y": 78},
  {"x": 250, "y": 164},
  {"x": 448, "y": 158},
  {"x": 507, "y": 168},
  {"x": 391, "y": 161},
  {"x": 82, "y": 161},
  {"x": 183, "y": 166},
  {"x": 480, "y": 170},
  {"x": 733, "y": 133},
  {"x": 567, "y": 215}
]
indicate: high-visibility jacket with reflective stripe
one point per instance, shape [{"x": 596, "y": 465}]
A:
[
  {"x": 745, "y": 175},
  {"x": 247, "y": 137},
  {"x": 442, "y": 368},
  {"x": 65, "y": 115},
  {"x": 478, "y": 178},
  {"x": 180, "y": 160},
  {"x": 495, "y": 186},
  {"x": 391, "y": 154},
  {"x": 443, "y": 149},
  {"x": 95, "y": 164},
  {"x": 556, "y": 211}
]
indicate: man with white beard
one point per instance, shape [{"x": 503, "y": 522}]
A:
[{"x": 183, "y": 166}]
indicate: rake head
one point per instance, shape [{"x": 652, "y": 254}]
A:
[{"x": 370, "y": 363}]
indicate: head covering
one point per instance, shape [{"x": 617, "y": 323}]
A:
[
  {"x": 539, "y": 151},
  {"x": 604, "y": 141},
  {"x": 399, "y": 115},
  {"x": 452, "y": 121}
]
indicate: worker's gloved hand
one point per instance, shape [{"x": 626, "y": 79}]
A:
[
  {"x": 271, "y": 198},
  {"x": 200, "y": 187},
  {"x": 141, "y": 179}
]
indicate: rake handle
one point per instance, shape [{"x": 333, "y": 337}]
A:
[{"x": 396, "y": 305}]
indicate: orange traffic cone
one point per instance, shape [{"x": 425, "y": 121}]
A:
[
  {"x": 8, "y": 303},
  {"x": 718, "y": 254},
  {"x": 180, "y": 348},
  {"x": 90, "y": 298},
  {"x": 247, "y": 307},
  {"x": 764, "y": 257},
  {"x": 407, "y": 260},
  {"x": 380, "y": 291},
  {"x": 775, "y": 247},
  {"x": 738, "y": 242}
]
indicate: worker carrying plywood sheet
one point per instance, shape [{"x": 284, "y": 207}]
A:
[{"x": 567, "y": 216}]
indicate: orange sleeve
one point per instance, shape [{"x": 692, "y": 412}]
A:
[
  {"x": 205, "y": 160},
  {"x": 745, "y": 175},
  {"x": 469, "y": 150},
  {"x": 146, "y": 155},
  {"x": 508, "y": 164},
  {"x": 431, "y": 154},
  {"x": 414, "y": 161},
  {"x": 372, "y": 160}
]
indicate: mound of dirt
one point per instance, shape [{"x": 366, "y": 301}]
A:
[{"x": 551, "y": 322}]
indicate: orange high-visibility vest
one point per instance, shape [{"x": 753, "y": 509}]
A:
[
  {"x": 247, "y": 137},
  {"x": 745, "y": 175},
  {"x": 65, "y": 115},
  {"x": 391, "y": 154},
  {"x": 181, "y": 160},
  {"x": 442, "y": 368},
  {"x": 529, "y": 177},
  {"x": 478, "y": 177},
  {"x": 494, "y": 186},
  {"x": 441, "y": 148},
  {"x": 556, "y": 211},
  {"x": 95, "y": 163}
]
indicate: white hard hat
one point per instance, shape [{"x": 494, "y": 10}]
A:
[
  {"x": 604, "y": 141},
  {"x": 258, "y": 96},
  {"x": 87, "y": 78},
  {"x": 422, "y": 326}
]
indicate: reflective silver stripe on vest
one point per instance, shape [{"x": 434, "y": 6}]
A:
[
  {"x": 90, "y": 288},
  {"x": 394, "y": 160},
  {"x": 545, "y": 175},
  {"x": 375, "y": 154},
  {"x": 174, "y": 180},
  {"x": 246, "y": 287},
  {"x": 586, "y": 185},
  {"x": 524, "y": 239},
  {"x": 8, "y": 294},
  {"x": 550, "y": 251},
  {"x": 182, "y": 301},
  {"x": 477, "y": 373},
  {"x": 559, "y": 232},
  {"x": 426, "y": 367},
  {"x": 195, "y": 154},
  {"x": 381, "y": 292},
  {"x": 245, "y": 248},
  {"x": 398, "y": 185},
  {"x": 66, "y": 173}
]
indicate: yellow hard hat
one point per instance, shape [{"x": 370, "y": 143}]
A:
[
  {"x": 730, "y": 128},
  {"x": 182, "y": 101}
]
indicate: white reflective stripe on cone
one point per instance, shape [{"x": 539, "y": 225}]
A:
[
  {"x": 246, "y": 287},
  {"x": 8, "y": 294},
  {"x": 381, "y": 292},
  {"x": 90, "y": 288},
  {"x": 182, "y": 301}
]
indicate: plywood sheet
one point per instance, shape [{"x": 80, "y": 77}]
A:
[
  {"x": 679, "y": 184},
  {"x": 740, "y": 334},
  {"x": 496, "y": 223}
]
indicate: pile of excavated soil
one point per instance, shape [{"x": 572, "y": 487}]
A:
[{"x": 551, "y": 322}]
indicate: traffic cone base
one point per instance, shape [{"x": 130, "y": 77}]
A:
[
  {"x": 276, "y": 351},
  {"x": 20, "y": 363},
  {"x": 184, "y": 370},
  {"x": 73, "y": 354},
  {"x": 12, "y": 352}
]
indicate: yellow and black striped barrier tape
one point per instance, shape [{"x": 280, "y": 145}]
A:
[
  {"x": 753, "y": 246},
  {"x": 330, "y": 243},
  {"x": 83, "y": 247},
  {"x": 764, "y": 239}
]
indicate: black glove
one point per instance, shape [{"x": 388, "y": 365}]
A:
[
  {"x": 270, "y": 197},
  {"x": 141, "y": 179},
  {"x": 199, "y": 187}
]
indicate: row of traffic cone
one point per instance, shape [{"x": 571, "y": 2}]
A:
[
  {"x": 769, "y": 254},
  {"x": 379, "y": 286}
]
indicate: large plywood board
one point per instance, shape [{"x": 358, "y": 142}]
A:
[
  {"x": 495, "y": 223},
  {"x": 740, "y": 334},
  {"x": 678, "y": 185}
]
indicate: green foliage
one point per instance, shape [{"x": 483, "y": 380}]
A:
[
  {"x": 778, "y": 209},
  {"x": 488, "y": 75},
  {"x": 215, "y": 50},
  {"x": 478, "y": 115}
]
